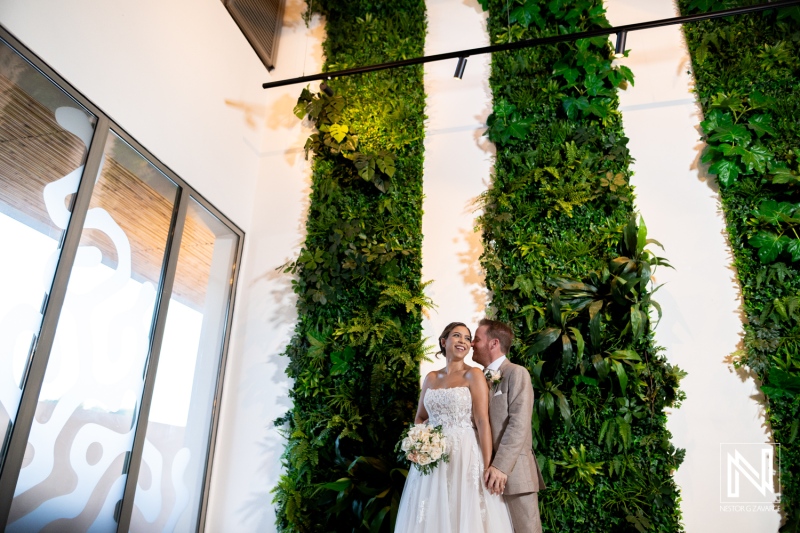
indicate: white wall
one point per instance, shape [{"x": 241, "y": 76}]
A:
[
  {"x": 247, "y": 462},
  {"x": 701, "y": 298},
  {"x": 458, "y": 164}
]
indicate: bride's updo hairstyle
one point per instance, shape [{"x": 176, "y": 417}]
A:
[
  {"x": 500, "y": 331},
  {"x": 446, "y": 333}
]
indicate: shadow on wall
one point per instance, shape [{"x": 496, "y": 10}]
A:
[
  {"x": 474, "y": 5},
  {"x": 471, "y": 271},
  {"x": 272, "y": 303},
  {"x": 277, "y": 115},
  {"x": 744, "y": 374}
]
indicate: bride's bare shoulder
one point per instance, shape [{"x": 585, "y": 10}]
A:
[
  {"x": 473, "y": 372},
  {"x": 431, "y": 378}
]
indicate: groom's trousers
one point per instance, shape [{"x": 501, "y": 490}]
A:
[{"x": 524, "y": 509}]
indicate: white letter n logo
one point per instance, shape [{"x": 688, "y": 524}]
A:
[{"x": 737, "y": 464}]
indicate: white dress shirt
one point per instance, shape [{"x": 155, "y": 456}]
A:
[{"x": 495, "y": 365}]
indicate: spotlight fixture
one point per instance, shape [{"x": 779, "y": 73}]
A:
[
  {"x": 462, "y": 64},
  {"x": 619, "y": 49},
  {"x": 324, "y": 87}
]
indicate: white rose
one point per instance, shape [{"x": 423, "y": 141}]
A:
[
  {"x": 424, "y": 460},
  {"x": 406, "y": 445},
  {"x": 436, "y": 453}
]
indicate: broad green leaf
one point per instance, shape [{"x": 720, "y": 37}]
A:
[
  {"x": 594, "y": 323},
  {"x": 756, "y": 158},
  {"x": 781, "y": 174},
  {"x": 566, "y": 348},
  {"x": 339, "y": 131},
  {"x": 727, "y": 101},
  {"x": 761, "y": 124},
  {"x": 543, "y": 340},
  {"x": 726, "y": 170},
  {"x": 580, "y": 378},
  {"x": 641, "y": 236},
  {"x": 593, "y": 84},
  {"x": 563, "y": 406},
  {"x": 549, "y": 403},
  {"x": 579, "y": 341},
  {"x": 519, "y": 127},
  {"x": 658, "y": 310},
  {"x": 736, "y": 133},
  {"x": 627, "y": 74},
  {"x": 794, "y": 248},
  {"x": 338, "y": 485},
  {"x": 637, "y": 322},
  {"x": 774, "y": 212},
  {"x": 780, "y": 378},
  {"x": 625, "y": 355},
  {"x": 503, "y": 108},
  {"x": 525, "y": 14},
  {"x": 300, "y": 110},
  {"x": 621, "y": 374},
  {"x": 731, "y": 150},
  {"x": 777, "y": 392},
  {"x": 758, "y": 100},
  {"x": 769, "y": 245},
  {"x": 600, "y": 365}
]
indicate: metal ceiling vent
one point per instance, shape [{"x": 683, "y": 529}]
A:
[{"x": 260, "y": 21}]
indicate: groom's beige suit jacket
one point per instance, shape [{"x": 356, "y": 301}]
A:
[{"x": 510, "y": 410}]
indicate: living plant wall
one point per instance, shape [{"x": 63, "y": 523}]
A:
[
  {"x": 355, "y": 353},
  {"x": 747, "y": 74},
  {"x": 569, "y": 264}
]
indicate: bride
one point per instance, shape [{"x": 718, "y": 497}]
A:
[{"x": 453, "y": 498}]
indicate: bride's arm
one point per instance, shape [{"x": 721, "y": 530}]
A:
[
  {"x": 479, "y": 391},
  {"x": 422, "y": 413}
]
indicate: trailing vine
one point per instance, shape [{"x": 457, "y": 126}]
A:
[
  {"x": 570, "y": 266},
  {"x": 747, "y": 72},
  {"x": 355, "y": 353}
]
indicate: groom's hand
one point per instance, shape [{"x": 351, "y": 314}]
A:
[{"x": 495, "y": 480}]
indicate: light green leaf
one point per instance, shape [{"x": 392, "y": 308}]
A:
[{"x": 338, "y": 131}]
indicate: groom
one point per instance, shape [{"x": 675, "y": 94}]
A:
[{"x": 514, "y": 471}]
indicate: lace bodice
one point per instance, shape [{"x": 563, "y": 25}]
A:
[{"x": 449, "y": 407}]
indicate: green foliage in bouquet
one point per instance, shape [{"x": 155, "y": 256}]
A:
[
  {"x": 570, "y": 266},
  {"x": 747, "y": 72},
  {"x": 355, "y": 353}
]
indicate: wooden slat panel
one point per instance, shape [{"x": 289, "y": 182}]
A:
[{"x": 35, "y": 151}]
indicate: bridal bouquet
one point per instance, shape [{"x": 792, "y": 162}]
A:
[{"x": 425, "y": 446}]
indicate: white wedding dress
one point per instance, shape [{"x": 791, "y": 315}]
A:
[{"x": 452, "y": 498}]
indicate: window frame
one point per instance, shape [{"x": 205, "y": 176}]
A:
[{"x": 37, "y": 366}]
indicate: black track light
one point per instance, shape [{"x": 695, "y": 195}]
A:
[
  {"x": 619, "y": 49},
  {"x": 462, "y": 64},
  {"x": 620, "y": 31},
  {"x": 324, "y": 87}
]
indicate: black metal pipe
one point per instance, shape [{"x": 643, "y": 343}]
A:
[{"x": 535, "y": 42}]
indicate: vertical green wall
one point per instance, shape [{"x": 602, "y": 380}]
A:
[
  {"x": 355, "y": 354},
  {"x": 747, "y": 72},
  {"x": 568, "y": 264}
]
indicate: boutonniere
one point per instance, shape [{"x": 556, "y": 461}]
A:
[{"x": 493, "y": 377}]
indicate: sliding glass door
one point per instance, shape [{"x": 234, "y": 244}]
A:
[{"x": 116, "y": 292}]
